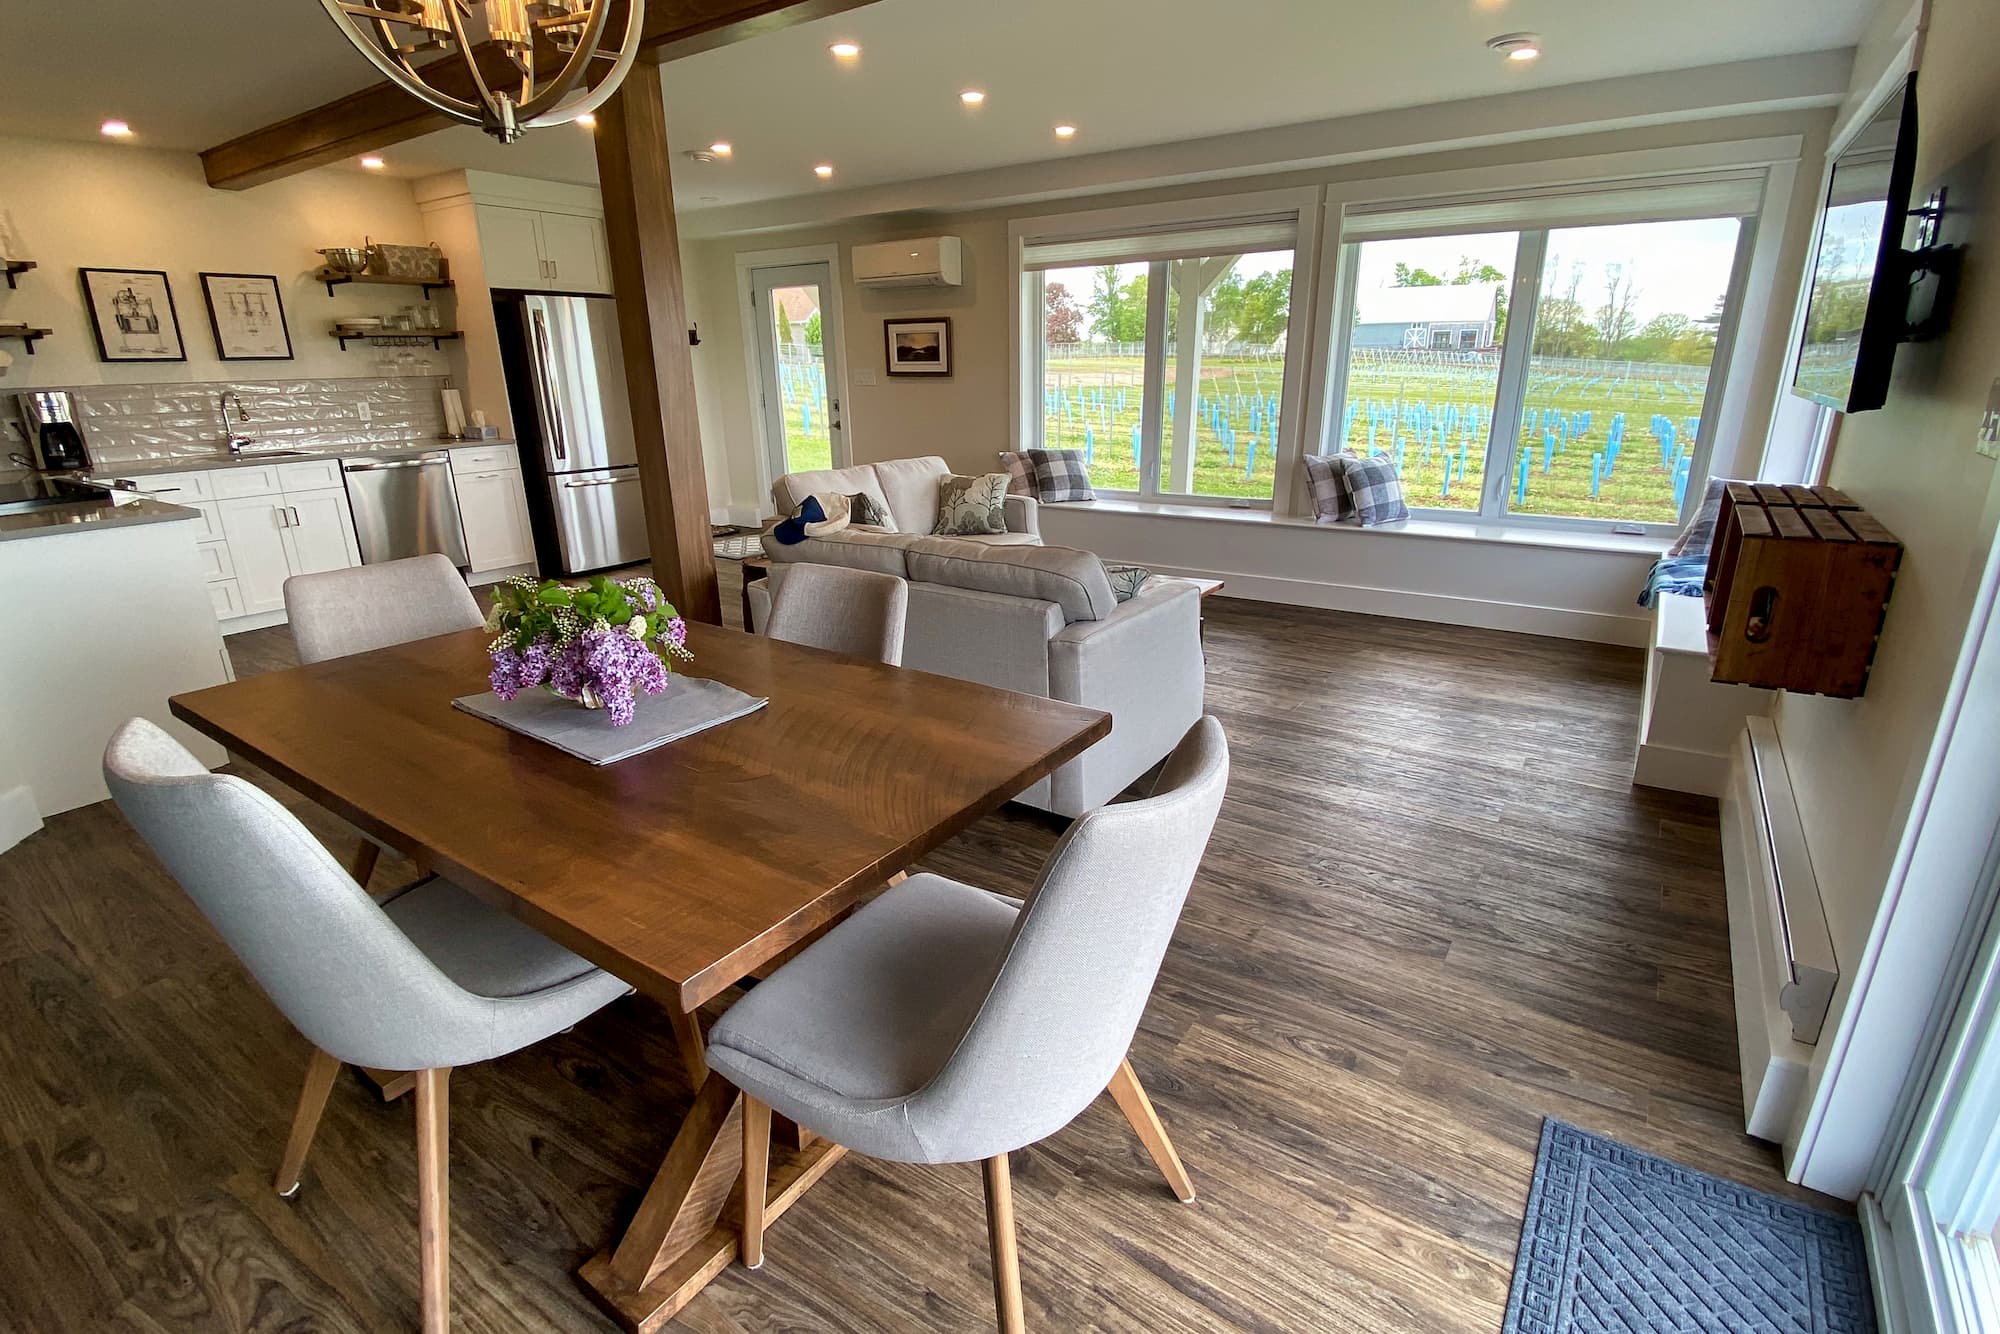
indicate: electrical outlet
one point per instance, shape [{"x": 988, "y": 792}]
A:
[{"x": 367, "y": 412}]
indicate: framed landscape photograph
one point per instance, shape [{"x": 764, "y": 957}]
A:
[
  {"x": 132, "y": 312},
  {"x": 918, "y": 347},
  {"x": 247, "y": 316}
]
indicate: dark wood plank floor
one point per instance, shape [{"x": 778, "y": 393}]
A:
[{"x": 1433, "y": 912}]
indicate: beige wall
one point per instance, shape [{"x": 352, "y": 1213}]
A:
[
  {"x": 1855, "y": 763},
  {"x": 71, "y": 205}
]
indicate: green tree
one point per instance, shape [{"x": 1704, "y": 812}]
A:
[
  {"x": 1616, "y": 322},
  {"x": 1118, "y": 310},
  {"x": 1409, "y": 277},
  {"x": 813, "y": 330},
  {"x": 784, "y": 328},
  {"x": 1267, "y": 307}
]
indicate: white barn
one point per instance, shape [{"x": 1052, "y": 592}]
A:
[{"x": 1460, "y": 318}]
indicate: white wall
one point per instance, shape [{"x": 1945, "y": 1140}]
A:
[
  {"x": 1855, "y": 763},
  {"x": 71, "y": 205}
]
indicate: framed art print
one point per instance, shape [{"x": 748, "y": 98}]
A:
[
  {"x": 247, "y": 316},
  {"x": 132, "y": 312},
  {"x": 918, "y": 347}
]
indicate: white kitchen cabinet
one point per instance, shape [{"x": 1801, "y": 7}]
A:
[
  {"x": 578, "y": 255},
  {"x": 319, "y": 533},
  {"x": 255, "y": 528},
  {"x": 541, "y": 252},
  {"x": 494, "y": 511},
  {"x": 510, "y": 244}
]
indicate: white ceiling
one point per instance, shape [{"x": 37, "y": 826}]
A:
[{"x": 1128, "y": 74}]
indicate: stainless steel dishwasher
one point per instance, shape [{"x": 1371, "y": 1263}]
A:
[{"x": 405, "y": 507}]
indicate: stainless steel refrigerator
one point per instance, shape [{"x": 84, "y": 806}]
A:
[{"x": 565, "y": 361}]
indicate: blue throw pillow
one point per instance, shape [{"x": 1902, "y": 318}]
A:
[{"x": 792, "y": 531}]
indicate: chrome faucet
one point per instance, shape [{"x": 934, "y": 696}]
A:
[{"x": 235, "y": 440}]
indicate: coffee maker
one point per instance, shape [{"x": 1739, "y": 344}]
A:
[{"x": 53, "y": 433}]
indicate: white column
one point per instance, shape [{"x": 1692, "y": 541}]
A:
[{"x": 1192, "y": 279}]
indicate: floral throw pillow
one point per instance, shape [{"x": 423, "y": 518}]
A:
[
  {"x": 971, "y": 506},
  {"x": 1126, "y": 580}
]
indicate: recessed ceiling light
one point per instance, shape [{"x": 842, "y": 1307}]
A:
[
  {"x": 116, "y": 129},
  {"x": 1065, "y": 131},
  {"x": 588, "y": 120},
  {"x": 972, "y": 97},
  {"x": 722, "y": 148},
  {"x": 844, "y": 50},
  {"x": 823, "y": 170},
  {"x": 373, "y": 163},
  {"x": 1522, "y": 46}
]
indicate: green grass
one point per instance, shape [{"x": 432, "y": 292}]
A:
[{"x": 1639, "y": 488}]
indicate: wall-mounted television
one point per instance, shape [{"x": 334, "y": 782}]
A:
[{"x": 1858, "y": 307}]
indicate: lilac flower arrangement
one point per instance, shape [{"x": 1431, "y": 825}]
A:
[{"x": 600, "y": 644}]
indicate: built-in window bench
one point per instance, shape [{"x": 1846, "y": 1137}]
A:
[{"x": 1574, "y": 585}]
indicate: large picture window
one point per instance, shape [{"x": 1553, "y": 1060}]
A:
[
  {"x": 1545, "y": 373},
  {"x": 1162, "y": 356}
]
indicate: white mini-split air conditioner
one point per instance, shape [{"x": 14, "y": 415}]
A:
[{"x": 925, "y": 261}]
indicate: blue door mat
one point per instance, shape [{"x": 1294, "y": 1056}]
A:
[{"x": 1620, "y": 1242}]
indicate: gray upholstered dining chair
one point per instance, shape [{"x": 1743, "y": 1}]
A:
[
  {"x": 338, "y": 613},
  {"x": 429, "y": 980},
  {"x": 856, "y": 612},
  {"x": 946, "y": 1024}
]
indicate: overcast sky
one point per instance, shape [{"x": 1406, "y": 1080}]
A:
[{"x": 1680, "y": 267}]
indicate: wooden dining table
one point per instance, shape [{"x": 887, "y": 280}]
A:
[{"x": 682, "y": 870}]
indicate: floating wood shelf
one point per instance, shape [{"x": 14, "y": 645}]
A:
[
  {"x": 335, "y": 278},
  {"x": 27, "y": 333},
  {"x": 15, "y": 268},
  {"x": 436, "y": 337}
]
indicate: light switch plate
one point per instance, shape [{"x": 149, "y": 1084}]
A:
[
  {"x": 367, "y": 412},
  {"x": 866, "y": 379}
]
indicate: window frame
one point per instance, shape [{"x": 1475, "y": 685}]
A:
[
  {"x": 1510, "y": 394},
  {"x": 1030, "y": 362}
]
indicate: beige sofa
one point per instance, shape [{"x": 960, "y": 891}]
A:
[
  {"x": 906, "y": 488},
  {"x": 1007, "y": 611}
]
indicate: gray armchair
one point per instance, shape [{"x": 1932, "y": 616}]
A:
[
  {"x": 856, "y": 612},
  {"x": 945, "y": 1024},
  {"x": 431, "y": 980}
]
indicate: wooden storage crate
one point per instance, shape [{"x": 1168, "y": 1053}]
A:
[{"x": 1797, "y": 583}]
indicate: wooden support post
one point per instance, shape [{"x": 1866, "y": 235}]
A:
[{"x": 637, "y": 184}]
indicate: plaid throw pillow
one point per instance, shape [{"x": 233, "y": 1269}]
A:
[
  {"x": 1060, "y": 475},
  {"x": 1326, "y": 478},
  {"x": 1020, "y": 474},
  {"x": 1376, "y": 490}
]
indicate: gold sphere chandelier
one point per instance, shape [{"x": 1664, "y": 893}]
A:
[{"x": 525, "y": 63}]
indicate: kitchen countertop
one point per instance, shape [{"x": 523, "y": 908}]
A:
[
  {"x": 90, "y": 517},
  {"x": 211, "y": 462}
]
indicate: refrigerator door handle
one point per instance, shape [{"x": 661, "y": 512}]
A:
[
  {"x": 545, "y": 391},
  {"x": 599, "y": 481}
]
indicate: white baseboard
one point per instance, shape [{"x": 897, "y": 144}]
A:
[
  {"x": 1680, "y": 770},
  {"x": 738, "y": 516},
  {"x": 1524, "y": 618},
  {"x": 19, "y": 816},
  {"x": 236, "y": 625}
]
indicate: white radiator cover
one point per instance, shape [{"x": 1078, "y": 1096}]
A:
[{"x": 1781, "y": 954}]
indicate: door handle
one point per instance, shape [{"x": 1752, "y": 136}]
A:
[
  {"x": 284, "y": 520},
  {"x": 543, "y": 387},
  {"x": 599, "y": 481},
  {"x": 293, "y": 511}
]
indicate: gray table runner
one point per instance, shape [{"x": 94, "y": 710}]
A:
[{"x": 688, "y": 705}]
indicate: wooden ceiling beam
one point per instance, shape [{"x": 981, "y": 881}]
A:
[{"x": 382, "y": 114}]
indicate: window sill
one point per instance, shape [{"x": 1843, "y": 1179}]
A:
[{"x": 1419, "y": 528}]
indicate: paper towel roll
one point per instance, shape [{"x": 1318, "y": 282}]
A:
[{"x": 454, "y": 412}]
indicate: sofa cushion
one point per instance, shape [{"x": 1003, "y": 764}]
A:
[
  {"x": 790, "y": 491},
  {"x": 1060, "y": 475},
  {"x": 910, "y": 487},
  {"x": 1073, "y": 580},
  {"x": 852, "y": 547}
]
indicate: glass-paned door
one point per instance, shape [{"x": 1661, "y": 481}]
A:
[{"x": 798, "y": 356}]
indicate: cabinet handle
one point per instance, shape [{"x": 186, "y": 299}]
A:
[{"x": 284, "y": 521}]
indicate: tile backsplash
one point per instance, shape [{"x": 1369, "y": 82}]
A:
[{"x": 130, "y": 423}]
